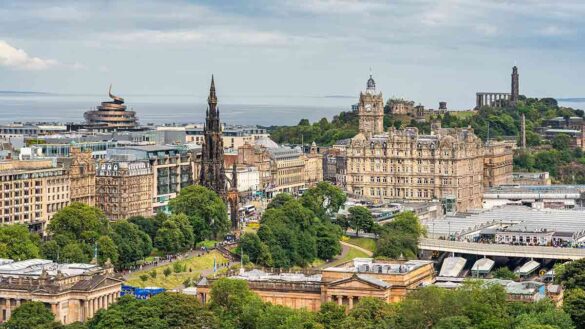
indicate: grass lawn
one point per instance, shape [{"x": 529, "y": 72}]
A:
[
  {"x": 366, "y": 243},
  {"x": 351, "y": 254},
  {"x": 174, "y": 280},
  {"x": 462, "y": 114}
]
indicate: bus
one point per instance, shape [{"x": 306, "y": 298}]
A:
[{"x": 249, "y": 210}]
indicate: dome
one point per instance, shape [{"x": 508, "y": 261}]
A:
[{"x": 266, "y": 142}]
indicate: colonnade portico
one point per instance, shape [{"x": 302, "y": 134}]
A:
[
  {"x": 92, "y": 305},
  {"x": 488, "y": 99}
]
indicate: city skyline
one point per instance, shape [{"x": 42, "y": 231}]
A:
[{"x": 425, "y": 51}]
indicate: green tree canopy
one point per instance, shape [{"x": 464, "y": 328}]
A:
[
  {"x": 17, "y": 243},
  {"x": 400, "y": 237},
  {"x": 205, "y": 210},
  {"x": 132, "y": 243},
  {"x": 31, "y": 315},
  {"x": 360, "y": 219},
  {"x": 79, "y": 222},
  {"x": 324, "y": 200}
]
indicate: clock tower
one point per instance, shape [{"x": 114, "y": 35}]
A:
[{"x": 371, "y": 110}]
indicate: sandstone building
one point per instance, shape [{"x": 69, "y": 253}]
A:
[
  {"x": 172, "y": 168},
  {"x": 313, "y": 166},
  {"x": 448, "y": 164},
  {"x": 497, "y": 164},
  {"x": 32, "y": 191},
  {"x": 344, "y": 284},
  {"x": 73, "y": 292},
  {"x": 124, "y": 188},
  {"x": 80, "y": 166}
]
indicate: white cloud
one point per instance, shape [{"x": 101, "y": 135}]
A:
[
  {"x": 221, "y": 35},
  {"x": 487, "y": 29},
  {"x": 337, "y": 6},
  {"x": 554, "y": 31},
  {"x": 18, "y": 59}
]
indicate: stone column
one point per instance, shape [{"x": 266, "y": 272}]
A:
[
  {"x": 350, "y": 302},
  {"x": 96, "y": 305},
  {"x": 91, "y": 308},
  {"x": 54, "y": 310},
  {"x": 8, "y": 309},
  {"x": 339, "y": 300}
]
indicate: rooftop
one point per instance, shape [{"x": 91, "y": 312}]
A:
[
  {"x": 36, "y": 267},
  {"x": 369, "y": 265}
]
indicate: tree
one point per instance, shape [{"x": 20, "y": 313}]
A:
[
  {"x": 331, "y": 315},
  {"x": 505, "y": 273},
  {"x": 343, "y": 222},
  {"x": 163, "y": 311},
  {"x": 107, "y": 249},
  {"x": 149, "y": 225},
  {"x": 31, "y": 315},
  {"x": 79, "y": 222},
  {"x": 17, "y": 243},
  {"x": 561, "y": 142},
  {"x": 324, "y": 200},
  {"x": 74, "y": 252},
  {"x": 360, "y": 219},
  {"x": 131, "y": 242},
  {"x": 573, "y": 274},
  {"x": 167, "y": 271},
  {"x": 400, "y": 237},
  {"x": 370, "y": 313},
  {"x": 279, "y": 200},
  {"x": 574, "y": 305},
  {"x": 255, "y": 249},
  {"x": 203, "y": 207},
  {"x": 176, "y": 234},
  {"x": 328, "y": 245},
  {"x": 234, "y": 304}
]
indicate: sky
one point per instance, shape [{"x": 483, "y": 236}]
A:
[{"x": 424, "y": 50}]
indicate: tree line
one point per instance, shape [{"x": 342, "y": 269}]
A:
[
  {"x": 78, "y": 232},
  {"x": 234, "y": 305}
]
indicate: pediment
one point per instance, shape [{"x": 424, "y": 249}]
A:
[{"x": 358, "y": 283}]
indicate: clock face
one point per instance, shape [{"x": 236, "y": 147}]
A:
[{"x": 368, "y": 107}]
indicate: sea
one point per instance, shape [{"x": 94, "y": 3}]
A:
[
  {"x": 160, "y": 109},
  {"x": 167, "y": 109}
]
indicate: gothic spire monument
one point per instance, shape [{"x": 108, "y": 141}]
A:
[{"x": 212, "y": 173}]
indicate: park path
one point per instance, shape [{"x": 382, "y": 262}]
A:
[
  {"x": 344, "y": 251},
  {"x": 366, "y": 251}
]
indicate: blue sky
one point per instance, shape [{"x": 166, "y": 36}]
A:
[{"x": 424, "y": 50}]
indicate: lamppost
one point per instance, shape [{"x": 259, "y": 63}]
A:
[{"x": 449, "y": 222}]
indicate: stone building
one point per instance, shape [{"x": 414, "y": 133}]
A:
[
  {"x": 344, "y": 284},
  {"x": 371, "y": 110},
  {"x": 404, "y": 165},
  {"x": 497, "y": 164},
  {"x": 287, "y": 170},
  {"x": 233, "y": 137},
  {"x": 257, "y": 155},
  {"x": 80, "y": 166},
  {"x": 401, "y": 107},
  {"x": 172, "y": 169},
  {"x": 32, "y": 191},
  {"x": 124, "y": 187},
  {"x": 112, "y": 115},
  {"x": 73, "y": 292},
  {"x": 313, "y": 166}
]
